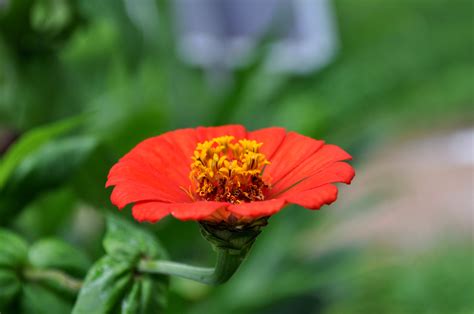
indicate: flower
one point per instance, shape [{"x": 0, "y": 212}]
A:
[{"x": 227, "y": 174}]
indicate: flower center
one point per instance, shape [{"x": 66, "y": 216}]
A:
[{"x": 226, "y": 170}]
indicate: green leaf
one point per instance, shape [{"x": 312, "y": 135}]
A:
[
  {"x": 30, "y": 142},
  {"x": 57, "y": 205},
  {"x": 153, "y": 293},
  {"x": 51, "y": 17},
  {"x": 13, "y": 250},
  {"x": 37, "y": 299},
  {"x": 105, "y": 285},
  {"x": 56, "y": 254},
  {"x": 125, "y": 238},
  {"x": 113, "y": 285},
  {"x": 147, "y": 295},
  {"x": 46, "y": 168},
  {"x": 131, "y": 302},
  {"x": 52, "y": 163},
  {"x": 9, "y": 287}
]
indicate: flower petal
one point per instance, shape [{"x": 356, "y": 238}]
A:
[
  {"x": 154, "y": 211},
  {"x": 314, "y": 166},
  {"x": 183, "y": 142},
  {"x": 271, "y": 139},
  {"x": 258, "y": 209},
  {"x": 292, "y": 152},
  {"x": 336, "y": 172},
  {"x": 157, "y": 169},
  {"x": 127, "y": 193},
  {"x": 207, "y": 133},
  {"x": 155, "y": 174},
  {"x": 315, "y": 198},
  {"x": 150, "y": 211},
  {"x": 136, "y": 181},
  {"x": 196, "y": 210},
  {"x": 169, "y": 154}
]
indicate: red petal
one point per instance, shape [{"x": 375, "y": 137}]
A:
[
  {"x": 126, "y": 193},
  {"x": 314, "y": 165},
  {"x": 154, "y": 211},
  {"x": 315, "y": 198},
  {"x": 207, "y": 133},
  {"x": 143, "y": 172},
  {"x": 184, "y": 143},
  {"x": 133, "y": 185},
  {"x": 169, "y": 154},
  {"x": 155, "y": 170},
  {"x": 258, "y": 209},
  {"x": 336, "y": 172},
  {"x": 271, "y": 139},
  {"x": 150, "y": 211},
  {"x": 195, "y": 211},
  {"x": 293, "y": 151}
]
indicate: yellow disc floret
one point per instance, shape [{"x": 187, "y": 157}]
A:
[{"x": 227, "y": 170}]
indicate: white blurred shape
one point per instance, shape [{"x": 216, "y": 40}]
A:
[{"x": 226, "y": 33}]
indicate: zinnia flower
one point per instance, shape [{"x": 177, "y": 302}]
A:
[{"x": 227, "y": 174}]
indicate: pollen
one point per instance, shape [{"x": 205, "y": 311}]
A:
[{"x": 226, "y": 170}]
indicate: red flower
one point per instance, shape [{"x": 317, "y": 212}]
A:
[{"x": 227, "y": 174}]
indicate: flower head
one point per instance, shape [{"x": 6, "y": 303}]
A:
[{"x": 227, "y": 174}]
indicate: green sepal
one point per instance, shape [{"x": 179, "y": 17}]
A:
[{"x": 236, "y": 240}]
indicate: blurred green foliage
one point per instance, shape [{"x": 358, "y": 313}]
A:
[
  {"x": 113, "y": 280},
  {"x": 22, "y": 289},
  {"x": 402, "y": 66},
  {"x": 433, "y": 282}
]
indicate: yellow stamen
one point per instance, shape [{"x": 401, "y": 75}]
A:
[{"x": 227, "y": 170}]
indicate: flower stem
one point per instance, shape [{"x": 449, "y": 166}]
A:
[
  {"x": 226, "y": 265},
  {"x": 58, "y": 277}
]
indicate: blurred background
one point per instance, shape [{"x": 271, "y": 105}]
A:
[{"x": 82, "y": 82}]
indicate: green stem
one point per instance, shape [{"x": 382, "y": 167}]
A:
[
  {"x": 226, "y": 266},
  {"x": 56, "y": 276}
]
